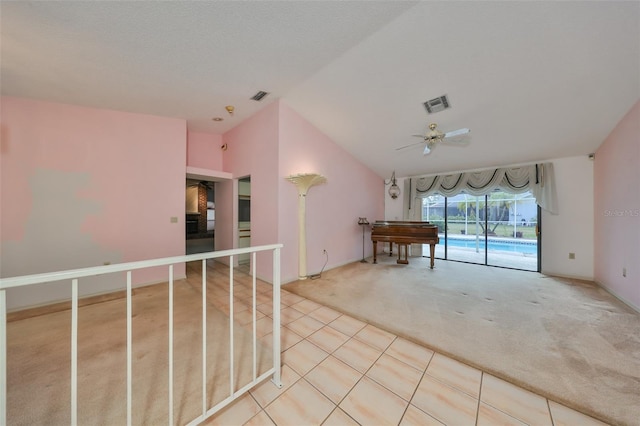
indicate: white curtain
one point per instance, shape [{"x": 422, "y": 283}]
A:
[{"x": 537, "y": 178}]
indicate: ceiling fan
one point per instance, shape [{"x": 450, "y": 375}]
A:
[{"x": 434, "y": 136}]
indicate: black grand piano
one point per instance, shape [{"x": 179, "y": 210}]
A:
[{"x": 404, "y": 233}]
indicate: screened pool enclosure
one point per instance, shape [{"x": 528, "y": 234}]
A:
[{"x": 497, "y": 229}]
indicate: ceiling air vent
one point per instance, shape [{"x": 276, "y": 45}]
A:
[
  {"x": 437, "y": 104},
  {"x": 259, "y": 96}
]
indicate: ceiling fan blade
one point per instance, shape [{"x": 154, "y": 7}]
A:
[
  {"x": 410, "y": 145},
  {"x": 455, "y": 133},
  {"x": 457, "y": 137}
]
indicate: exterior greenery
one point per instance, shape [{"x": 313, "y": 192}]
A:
[{"x": 506, "y": 215}]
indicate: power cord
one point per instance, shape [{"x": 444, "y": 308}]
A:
[{"x": 319, "y": 274}]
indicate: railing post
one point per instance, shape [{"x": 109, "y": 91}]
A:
[
  {"x": 253, "y": 309},
  {"x": 204, "y": 337},
  {"x": 170, "y": 344},
  {"x": 276, "y": 318},
  {"x": 3, "y": 358},
  {"x": 129, "y": 350},
  {"x": 231, "y": 342},
  {"x": 74, "y": 351}
]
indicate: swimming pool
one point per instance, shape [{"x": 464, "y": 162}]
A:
[{"x": 527, "y": 247}]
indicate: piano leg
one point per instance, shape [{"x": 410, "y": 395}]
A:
[
  {"x": 390, "y": 248},
  {"x": 375, "y": 251},
  {"x": 432, "y": 250}
]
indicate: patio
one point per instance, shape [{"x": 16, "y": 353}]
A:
[{"x": 524, "y": 261}]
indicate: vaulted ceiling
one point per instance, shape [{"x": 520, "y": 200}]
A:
[{"x": 532, "y": 80}]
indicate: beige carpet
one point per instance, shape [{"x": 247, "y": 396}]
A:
[
  {"x": 39, "y": 362},
  {"x": 567, "y": 340}
]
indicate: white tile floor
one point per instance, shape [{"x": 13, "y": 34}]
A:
[{"x": 338, "y": 370}]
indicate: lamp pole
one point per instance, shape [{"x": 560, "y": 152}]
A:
[{"x": 363, "y": 222}]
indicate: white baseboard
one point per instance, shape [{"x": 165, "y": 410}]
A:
[
  {"x": 617, "y": 296},
  {"x": 572, "y": 277},
  {"x": 599, "y": 284}
]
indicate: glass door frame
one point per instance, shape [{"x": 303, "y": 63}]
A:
[{"x": 485, "y": 235}]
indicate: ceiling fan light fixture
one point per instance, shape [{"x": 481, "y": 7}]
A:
[{"x": 434, "y": 134}]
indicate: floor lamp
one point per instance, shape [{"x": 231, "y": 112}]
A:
[
  {"x": 364, "y": 222},
  {"x": 303, "y": 182}
]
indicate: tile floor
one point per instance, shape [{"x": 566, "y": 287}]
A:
[{"x": 338, "y": 370}]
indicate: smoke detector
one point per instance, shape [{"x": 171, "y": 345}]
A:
[{"x": 437, "y": 104}]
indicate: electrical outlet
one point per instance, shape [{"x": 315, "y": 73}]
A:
[
  {"x": 572, "y": 255},
  {"x": 173, "y": 219},
  {"x": 324, "y": 251},
  {"x": 624, "y": 272}
]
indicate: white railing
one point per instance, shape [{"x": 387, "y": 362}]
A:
[{"x": 75, "y": 275}]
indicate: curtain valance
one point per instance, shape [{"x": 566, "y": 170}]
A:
[{"x": 537, "y": 178}]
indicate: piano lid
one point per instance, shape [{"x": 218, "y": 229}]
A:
[{"x": 400, "y": 223}]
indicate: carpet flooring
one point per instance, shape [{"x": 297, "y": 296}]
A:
[{"x": 564, "y": 339}]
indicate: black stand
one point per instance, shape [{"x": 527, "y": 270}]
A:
[{"x": 364, "y": 222}]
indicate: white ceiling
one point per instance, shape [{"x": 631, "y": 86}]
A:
[{"x": 532, "y": 80}]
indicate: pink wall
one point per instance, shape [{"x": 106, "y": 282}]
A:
[
  {"x": 351, "y": 191},
  {"x": 84, "y": 186},
  {"x": 252, "y": 151},
  {"x": 203, "y": 151},
  {"x": 617, "y": 209},
  {"x": 278, "y": 142}
]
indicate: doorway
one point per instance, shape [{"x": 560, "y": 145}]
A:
[
  {"x": 244, "y": 218},
  {"x": 200, "y": 216}
]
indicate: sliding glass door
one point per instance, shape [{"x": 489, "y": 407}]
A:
[
  {"x": 512, "y": 239},
  {"x": 498, "y": 229},
  {"x": 466, "y": 226}
]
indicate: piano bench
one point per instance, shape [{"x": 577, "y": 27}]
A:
[{"x": 402, "y": 260}]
